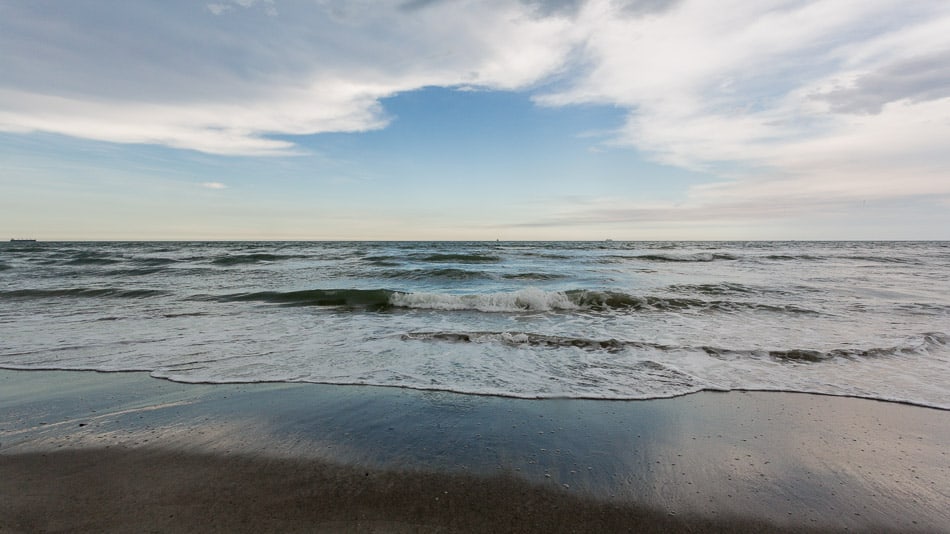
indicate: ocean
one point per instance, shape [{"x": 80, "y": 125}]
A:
[{"x": 595, "y": 320}]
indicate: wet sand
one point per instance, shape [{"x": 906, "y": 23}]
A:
[{"x": 84, "y": 451}]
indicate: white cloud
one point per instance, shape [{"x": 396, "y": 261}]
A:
[
  {"x": 213, "y": 185},
  {"x": 828, "y": 99},
  {"x": 217, "y": 9},
  {"x": 783, "y": 99},
  {"x": 229, "y": 86},
  {"x": 235, "y": 127}
]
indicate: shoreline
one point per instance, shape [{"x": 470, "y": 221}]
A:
[
  {"x": 488, "y": 395},
  {"x": 312, "y": 456}
]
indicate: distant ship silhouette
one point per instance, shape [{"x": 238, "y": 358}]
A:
[{"x": 22, "y": 240}]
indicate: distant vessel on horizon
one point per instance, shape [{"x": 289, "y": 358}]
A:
[{"x": 22, "y": 240}]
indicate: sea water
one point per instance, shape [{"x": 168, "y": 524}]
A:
[{"x": 605, "y": 320}]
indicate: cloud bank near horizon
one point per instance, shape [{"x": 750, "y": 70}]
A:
[{"x": 791, "y": 100}]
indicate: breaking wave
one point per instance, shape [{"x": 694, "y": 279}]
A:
[
  {"x": 534, "y": 320},
  {"x": 517, "y": 301},
  {"x": 524, "y": 300},
  {"x": 924, "y": 343},
  {"x": 920, "y": 345},
  {"x": 538, "y": 300}
]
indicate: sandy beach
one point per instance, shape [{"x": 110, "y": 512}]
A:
[{"x": 83, "y": 451}]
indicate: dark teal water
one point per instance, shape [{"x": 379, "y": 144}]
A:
[{"x": 594, "y": 320}]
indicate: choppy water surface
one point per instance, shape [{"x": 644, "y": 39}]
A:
[{"x": 593, "y": 320}]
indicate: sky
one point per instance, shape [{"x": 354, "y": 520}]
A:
[{"x": 474, "y": 120}]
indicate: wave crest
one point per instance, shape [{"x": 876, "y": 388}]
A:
[
  {"x": 924, "y": 343},
  {"x": 460, "y": 258},
  {"x": 107, "y": 292},
  {"x": 373, "y": 299},
  {"x": 241, "y": 259},
  {"x": 521, "y": 338},
  {"x": 523, "y": 300},
  {"x": 685, "y": 258},
  {"x": 426, "y": 274}
]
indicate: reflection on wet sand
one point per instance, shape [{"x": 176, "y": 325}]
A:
[{"x": 716, "y": 459}]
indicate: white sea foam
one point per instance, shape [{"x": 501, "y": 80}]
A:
[
  {"x": 755, "y": 316},
  {"x": 528, "y": 299}
]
